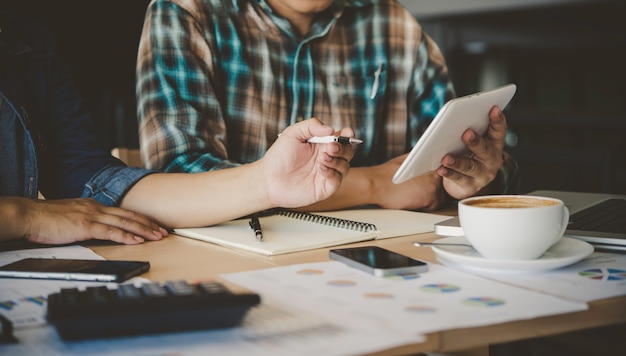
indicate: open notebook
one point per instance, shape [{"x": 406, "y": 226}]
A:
[{"x": 288, "y": 231}]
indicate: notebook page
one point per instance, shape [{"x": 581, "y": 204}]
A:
[
  {"x": 392, "y": 223},
  {"x": 281, "y": 234}
]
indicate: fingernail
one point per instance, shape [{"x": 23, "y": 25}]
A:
[
  {"x": 157, "y": 233},
  {"x": 139, "y": 239}
]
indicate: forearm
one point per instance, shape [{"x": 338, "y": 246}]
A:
[
  {"x": 199, "y": 199},
  {"x": 374, "y": 186},
  {"x": 13, "y": 211},
  {"x": 292, "y": 174}
]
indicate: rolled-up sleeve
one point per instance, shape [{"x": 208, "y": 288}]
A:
[{"x": 110, "y": 184}]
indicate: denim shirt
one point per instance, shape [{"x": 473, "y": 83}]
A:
[{"x": 48, "y": 141}]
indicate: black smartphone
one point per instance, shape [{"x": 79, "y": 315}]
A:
[
  {"x": 378, "y": 261},
  {"x": 74, "y": 270}
]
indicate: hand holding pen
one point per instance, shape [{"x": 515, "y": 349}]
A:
[{"x": 311, "y": 172}]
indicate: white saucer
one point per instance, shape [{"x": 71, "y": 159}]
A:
[{"x": 565, "y": 252}]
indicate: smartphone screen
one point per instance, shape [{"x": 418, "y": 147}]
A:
[
  {"x": 78, "y": 270},
  {"x": 378, "y": 261}
]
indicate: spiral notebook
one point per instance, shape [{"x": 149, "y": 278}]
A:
[{"x": 288, "y": 231}]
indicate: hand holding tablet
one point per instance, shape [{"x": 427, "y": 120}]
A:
[{"x": 443, "y": 135}]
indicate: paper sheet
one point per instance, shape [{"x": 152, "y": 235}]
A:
[
  {"x": 268, "y": 330},
  {"x": 439, "y": 299},
  {"x": 599, "y": 276}
]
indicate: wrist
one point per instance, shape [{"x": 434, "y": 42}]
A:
[
  {"x": 16, "y": 216},
  {"x": 497, "y": 184},
  {"x": 260, "y": 176},
  {"x": 377, "y": 185}
]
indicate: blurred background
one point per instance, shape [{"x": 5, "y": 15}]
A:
[
  {"x": 568, "y": 58},
  {"x": 567, "y": 120}
]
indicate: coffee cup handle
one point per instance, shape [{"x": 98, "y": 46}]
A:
[{"x": 564, "y": 224}]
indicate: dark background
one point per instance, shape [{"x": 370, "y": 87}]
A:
[
  {"x": 567, "y": 119},
  {"x": 99, "y": 41}
]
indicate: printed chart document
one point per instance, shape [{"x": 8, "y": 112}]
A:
[
  {"x": 439, "y": 299},
  {"x": 293, "y": 231},
  {"x": 599, "y": 276},
  {"x": 268, "y": 330}
]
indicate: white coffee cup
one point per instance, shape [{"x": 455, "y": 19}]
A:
[{"x": 512, "y": 227}]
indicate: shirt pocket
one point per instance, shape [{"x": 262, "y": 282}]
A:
[{"x": 356, "y": 99}]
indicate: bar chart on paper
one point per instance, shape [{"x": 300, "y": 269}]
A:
[{"x": 23, "y": 308}]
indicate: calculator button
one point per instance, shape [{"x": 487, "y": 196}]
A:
[
  {"x": 212, "y": 287},
  {"x": 180, "y": 288},
  {"x": 128, "y": 291},
  {"x": 153, "y": 290}
]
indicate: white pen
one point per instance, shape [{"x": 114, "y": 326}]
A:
[{"x": 328, "y": 139}]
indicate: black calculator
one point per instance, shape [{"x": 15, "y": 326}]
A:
[{"x": 149, "y": 308}]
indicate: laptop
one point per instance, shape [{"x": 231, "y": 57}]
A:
[{"x": 597, "y": 218}]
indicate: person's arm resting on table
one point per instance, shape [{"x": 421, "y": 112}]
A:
[{"x": 292, "y": 173}]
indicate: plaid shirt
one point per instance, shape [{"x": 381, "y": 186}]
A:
[{"x": 218, "y": 80}]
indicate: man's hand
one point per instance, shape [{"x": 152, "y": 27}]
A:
[
  {"x": 465, "y": 176},
  {"x": 70, "y": 220},
  {"x": 300, "y": 173}
]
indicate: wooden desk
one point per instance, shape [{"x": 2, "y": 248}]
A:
[{"x": 181, "y": 258}]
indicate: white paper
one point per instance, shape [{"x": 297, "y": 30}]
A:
[
  {"x": 440, "y": 299},
  {"x": 267, "y": 331},
  {"x": 599, "y": 276}
]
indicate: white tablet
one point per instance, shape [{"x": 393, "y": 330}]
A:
[{"x": 443, "y": 135}]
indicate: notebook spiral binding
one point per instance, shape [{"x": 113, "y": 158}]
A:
[{"x": 328, "y": 220}]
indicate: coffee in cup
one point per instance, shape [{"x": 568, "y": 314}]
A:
[{"x": 512, "y": 227}]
